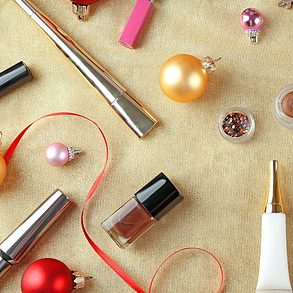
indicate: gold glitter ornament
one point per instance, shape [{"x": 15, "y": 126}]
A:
[
  {"x": 3, "y": 167},
  {"x": 184, "y": 78}
]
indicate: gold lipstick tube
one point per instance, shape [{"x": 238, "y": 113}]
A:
[{"x": 122, "y": 102}]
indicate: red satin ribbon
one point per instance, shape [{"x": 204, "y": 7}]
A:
[{"x": 111, "y": 263}]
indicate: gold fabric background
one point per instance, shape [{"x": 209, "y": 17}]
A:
[{"x": 224, "y": 184}]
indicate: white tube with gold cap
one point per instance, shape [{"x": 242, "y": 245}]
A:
[{"x": 273, "y": 268}]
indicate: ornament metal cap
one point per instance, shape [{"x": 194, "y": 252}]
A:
[
  {"x": 209, "y": 64},
  {"x": 82, "y": 11},
  {"x": 72, "y": 151},
  {"x": 286, "y": 3},
  {"x": 253, "y": 36},
  {"x": 80, "y": 279}
]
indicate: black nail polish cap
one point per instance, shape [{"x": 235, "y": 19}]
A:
[
  {"x": 14, "y": 77},
  {"x": 159, "y": 196}
]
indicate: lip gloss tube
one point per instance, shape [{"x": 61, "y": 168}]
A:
[
  {"x": 142, "y": 211},
  {"x": 273, "y": 268},
  {"x": 23, "y": 238},
  {"x": 136, "y": 23}
]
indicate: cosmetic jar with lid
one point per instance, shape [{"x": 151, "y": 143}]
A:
[
  {"x": 236, "y": 125},
  {"x": 142, "y": 211},
  {"x": 283, "y": 106}
]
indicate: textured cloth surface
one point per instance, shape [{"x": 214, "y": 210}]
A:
[{"x": 224, "y": 184}]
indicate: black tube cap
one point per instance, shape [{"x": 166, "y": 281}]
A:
[
  {"x": 14, "y": 77},
  {"x": 159, "y": 196}
]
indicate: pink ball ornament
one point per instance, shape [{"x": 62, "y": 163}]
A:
[
  {"x": 57, "y": 154},
  {"x": 252, "y": 21}
]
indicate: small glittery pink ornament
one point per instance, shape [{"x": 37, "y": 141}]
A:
[
  {"x": 57, "y": 154},
  {"x": 252, "y": 21}
]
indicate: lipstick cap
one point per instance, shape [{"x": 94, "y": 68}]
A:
[
  {"x": 23, "y": 238},
  {"x": 159, "y": 196},
  {"x": 14, "y": 77}
]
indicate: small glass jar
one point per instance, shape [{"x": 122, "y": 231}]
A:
[
  {"x": 283, "y": 106},
  {"x": 142, "y": 211},
  {"x": 237, "y": 125}
]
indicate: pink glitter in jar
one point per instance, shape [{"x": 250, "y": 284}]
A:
[{"x": 236, "y": 125}]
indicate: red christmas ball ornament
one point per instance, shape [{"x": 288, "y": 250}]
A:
[{"x": 50, "y": 275}]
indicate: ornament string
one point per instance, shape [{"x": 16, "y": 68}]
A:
[{"x": 110, "y": 262}]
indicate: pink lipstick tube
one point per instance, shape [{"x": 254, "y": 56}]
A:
[{"x": 136, "y": 22}]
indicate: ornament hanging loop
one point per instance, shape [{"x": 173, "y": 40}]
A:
[{"x": 209, "y": 64}]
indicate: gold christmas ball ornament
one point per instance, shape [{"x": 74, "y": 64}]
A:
[
  {"x": 3, "y": 167},
  {"x": 184, "y": 78}
]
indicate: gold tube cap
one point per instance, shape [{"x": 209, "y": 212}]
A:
[{"x": 274, "y": 200}]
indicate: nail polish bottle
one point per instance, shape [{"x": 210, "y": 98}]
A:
[{"x": 142, "y": 211}]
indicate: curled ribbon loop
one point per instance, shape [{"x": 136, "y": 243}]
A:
[{"x": 111, "y": 263}]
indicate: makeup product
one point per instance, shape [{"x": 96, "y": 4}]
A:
[
  {"x": 122, "y": 102},
  {"x": 13, "y": 77},
  {"x": 286, "y": 3},
  {"x": 23, "y": 238},
  {"x": 273, "y": 268},
  {"x": 143, "y": 211},
  {"x": 237, "y": 125},
  {"x": 136, "y": 23},
  {"x": 184, "y": 78},
  {"x": 3, "y": 167},
  {"x": 82, "y": 8},
  {"x": 283, "y": 106},
  {"x": 57, "y": 154},
  {"x": 53, "y": 277},
  {"x": 252, "y": 21}
]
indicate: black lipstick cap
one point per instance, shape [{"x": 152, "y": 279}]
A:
[
  {"x": 159, "y": 196},
  {"x": 14, "y": 77}
]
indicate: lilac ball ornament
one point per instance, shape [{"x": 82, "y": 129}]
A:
[{"x": 57, "y": 154}]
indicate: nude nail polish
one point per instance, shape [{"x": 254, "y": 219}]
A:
[{"x": 142, "y": 211}]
